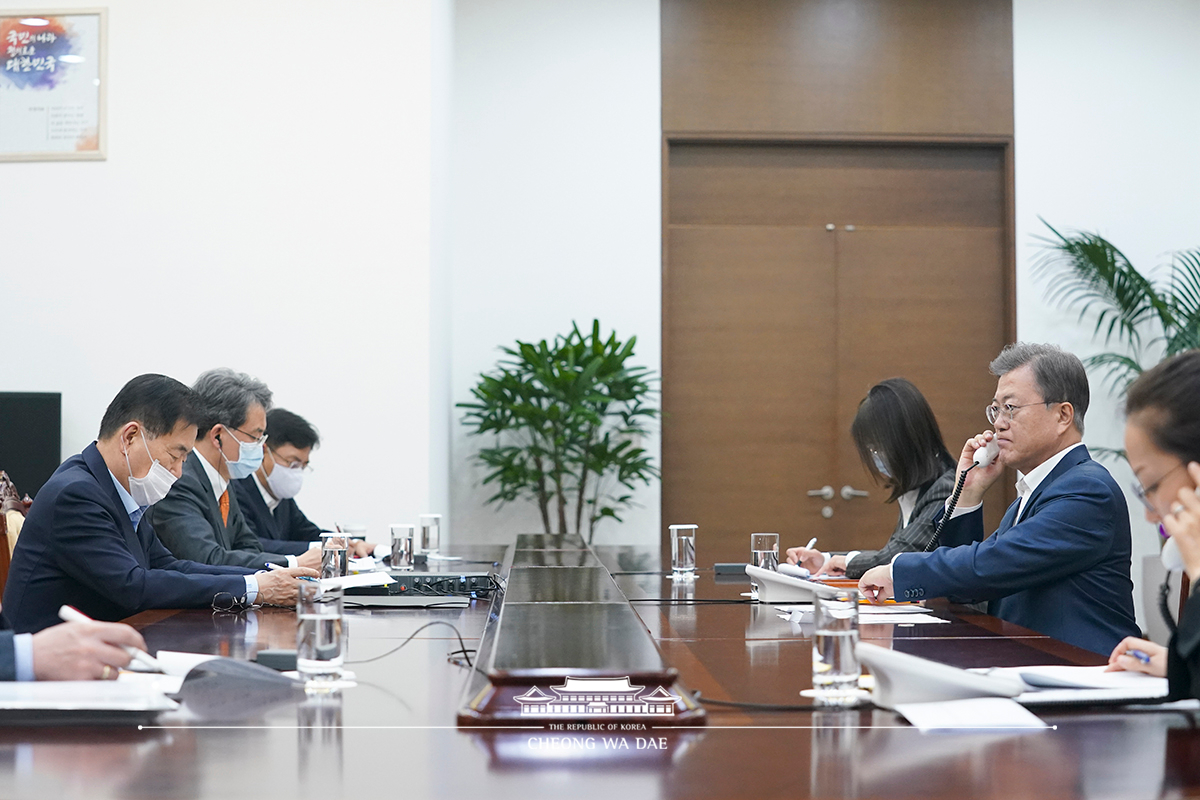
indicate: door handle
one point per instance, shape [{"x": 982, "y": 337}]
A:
[
  {"x": 849, "y": 492},
  {"x": 825, "y": 492}
]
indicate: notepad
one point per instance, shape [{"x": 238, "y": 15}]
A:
[{"x": 974, "y": 714}]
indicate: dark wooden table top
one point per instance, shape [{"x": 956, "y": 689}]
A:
[{"x": 394, "y": 732}]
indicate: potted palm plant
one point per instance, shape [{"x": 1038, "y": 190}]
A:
[
  {"x": 1148, "y": 316},
  {"x": 566, "y": 417}
]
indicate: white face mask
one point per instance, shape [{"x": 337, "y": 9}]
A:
[
  {"x": 284, "y": 482},
  {"x": 148, "y": 490},
  {"x": 1171, "y": 559}
]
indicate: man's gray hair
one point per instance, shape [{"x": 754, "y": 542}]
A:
[
  {"x": 1060, "y": 375},
  {"x": 227, "y": 397}
]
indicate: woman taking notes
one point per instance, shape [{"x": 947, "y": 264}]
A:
[
  {"x": 1162, "y": 441},
  {"x": 900, "y": 444}
]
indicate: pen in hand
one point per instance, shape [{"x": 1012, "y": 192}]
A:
[
  {"x": 811, "y": 543},
  {"x": 1139, "y": 655},
  {"x": 72, "y": 614}
]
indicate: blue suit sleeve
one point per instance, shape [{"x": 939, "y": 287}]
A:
[
  {"x": 1072, "y": 531},
  {"x": 94, "y": 553}
]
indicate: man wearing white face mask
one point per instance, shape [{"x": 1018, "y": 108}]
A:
[
  {"x": 201, "y": 519},
  {"x": 266, "y": 498},
  {"x": 82, "y": 545}
]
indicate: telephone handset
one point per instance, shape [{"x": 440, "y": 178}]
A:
[{"x": 984, "y": 456}]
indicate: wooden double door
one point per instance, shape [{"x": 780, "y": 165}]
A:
[{"x": 796, "y": 276}]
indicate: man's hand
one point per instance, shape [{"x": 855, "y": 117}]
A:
[
  {"x": 81, "y": 651},
  {"x": 310, "y": 559},
  {"x": 876, "y": 584},
  {"x": 978, "y": 479},
  {"x": 280, "y": 587},
  {"x": 361, "y": 549},
  {"x": 835, "y": 566},
  {"x": 811, "y": 560},
  {"x": 1121, "y": 660}
]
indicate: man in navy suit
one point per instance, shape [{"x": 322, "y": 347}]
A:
[
  {"x": 81, "y": 544},
  {"x": 266, "y": 497},
  {"x": 1059, "y": 563}
]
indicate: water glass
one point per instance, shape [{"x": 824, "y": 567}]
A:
[
  {"x": 764, "y": 554},
  {"x": 431, "y": 533},
  {"x": 320, "y": 634},
  {"x": 683, "y": 549},
  {"x": 402, "y": 545},
  {"x": 334, "y": 555},
  {"x": 835, "y": 636}
]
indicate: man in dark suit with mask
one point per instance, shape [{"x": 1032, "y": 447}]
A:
[
  {"x": 82, "y": 544},
  {"x": 266, "y": 497},
  {"x": 201, "y": 519}
]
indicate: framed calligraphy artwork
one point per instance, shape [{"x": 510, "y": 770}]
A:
[{"x": 52, "y": 84}]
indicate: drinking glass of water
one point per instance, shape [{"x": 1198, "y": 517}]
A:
[
  {"x": 402, "y": 546},
  {"x": 320, "y": 634},
  {"x": 764, "y": 554},
  {"x": 334, "y": 560},
  {"x": 683, "y": 550},
  {"x": 835, "y": 660}
]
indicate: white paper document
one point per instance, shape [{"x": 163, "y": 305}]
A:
[
  {"x": 361, "y": 579},
  {"x": 81, "y": 696},
  {"x": 975, "y": 714}
]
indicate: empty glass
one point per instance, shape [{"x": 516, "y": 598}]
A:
[
  {"x": 683, "y": 550},
  {"x": 320, "y": 634},
  {"x": 835, "y": 636}
]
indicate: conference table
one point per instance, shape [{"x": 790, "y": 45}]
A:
[{"x": 395, "y": 731}]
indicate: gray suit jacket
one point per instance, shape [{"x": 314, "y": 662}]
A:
[
  {"x": 913, "y": 537},
  {"x": 188, "y": 521}
]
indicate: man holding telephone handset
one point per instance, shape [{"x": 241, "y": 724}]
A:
[{"x": 1060, "y": 561}]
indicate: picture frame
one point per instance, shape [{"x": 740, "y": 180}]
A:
[{"x": 53, "y": 80}]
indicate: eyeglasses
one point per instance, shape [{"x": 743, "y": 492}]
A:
[
  {"x": 1143, "y": 492},
  {"x": 253, "y": 438},
  {"x": 1008, "y": 409},
  {"x": 226, "y": 603},
  {"x": 295, "y": 463}
]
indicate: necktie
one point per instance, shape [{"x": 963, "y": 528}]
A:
[{"x": 225, "y": 507}]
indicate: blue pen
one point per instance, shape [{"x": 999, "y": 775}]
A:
[{"x": 1139, "y": 655}]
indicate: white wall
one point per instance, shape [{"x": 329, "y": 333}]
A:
[
  {"x": 556, "y": 205},
  {"x": 265, "y": 205},
  {"x": 1106, "y": 128}
]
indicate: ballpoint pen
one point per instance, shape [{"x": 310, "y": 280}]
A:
[
  {"x": 72, "y": 614},
  {"x": 811, "y": 543},
  {"x": 1139, "y": 655}
]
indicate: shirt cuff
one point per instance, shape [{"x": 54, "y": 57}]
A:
[
  {"x": 851, "y": 556},
  {"x": 382, "y": 550},
  {"x": 23, "y": 655},
  {"x": 960, "y": 511},
  {"x": 292, "y": 561},
  {"x": 251, "y": 588}
]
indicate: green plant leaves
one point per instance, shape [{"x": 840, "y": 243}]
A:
[
  {"x": 566, "y": 415},
  {"x": 1087, "y": 272}
]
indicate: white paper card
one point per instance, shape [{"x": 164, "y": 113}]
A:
[{"x": 975, "y": 714}]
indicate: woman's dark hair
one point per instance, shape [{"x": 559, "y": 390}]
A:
[
  {"x": 1164, "y": 398},
  {"x": 895, "y": 421}
]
